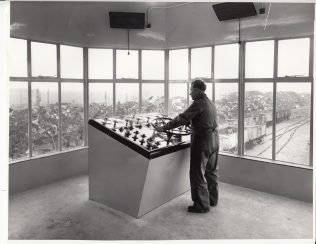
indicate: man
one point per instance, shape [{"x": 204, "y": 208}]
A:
[{"x": 201, "y": 114}]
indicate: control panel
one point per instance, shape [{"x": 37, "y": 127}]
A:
[{"x": 138, "y": 132}]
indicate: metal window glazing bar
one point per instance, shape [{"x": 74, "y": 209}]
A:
[
  {"x": 275, "y": 73},
  {"x": 241, "y": 94},
  {"x": 59, "y": 99},
  {"x": 167, "y": 82},
  {"x": 311, "y": 74},
  {"x": 140, "y": 77},
  {"x": 29, "y": 94},
  {"x": 212, "y": 73},
  {"x": 85, "y": 95},
  {"x": 189, "y": 76},
  {"x": 114, "y": 81}
]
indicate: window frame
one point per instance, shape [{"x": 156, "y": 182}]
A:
[{"x": 241, "y": 80}]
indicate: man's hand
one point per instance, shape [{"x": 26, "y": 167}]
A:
[{"x": 159, "y": 129}]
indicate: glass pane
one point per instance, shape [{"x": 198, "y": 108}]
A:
[
  {"x": 101, "y": 100},
  {"x": 209, "y": 90},
  {"x": 153, "y": 98},
  {"x": 258, "y": 119},
  {"x": 293, "y": 122},
  {"x": 201, "y": 62},
  {"x": 127, "y": 99},
  {"x": 153, "y": 65},
  {"x": 44, "y": 59},
  {"x": 226, "y": 61},
  {"x": 226, "y": 99},
  {"x": 126, "y": 64},
  {"x": 177, "y": 98},
  {"x": 293, "y": 59},
  {"x": 71, "y": 62},
  {"x": 18, "y": 120},
  {"x": 44, "y": 117},
  {"x": 100, "y": 63},
  {"x": 18, "y": 57},
  {"x": 259, "y": 59},
  {"x": 178, "y": 64},
  {"x": 72, "y": 114}
]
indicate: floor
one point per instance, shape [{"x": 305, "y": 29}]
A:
[{"x": 62, "y": 211}]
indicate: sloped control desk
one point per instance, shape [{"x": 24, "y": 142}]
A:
[{"x": 132, "y": 172}]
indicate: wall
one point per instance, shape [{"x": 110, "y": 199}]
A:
[
  {"x": 285, "y": 180},
  {"x": 33, "y": 173}
]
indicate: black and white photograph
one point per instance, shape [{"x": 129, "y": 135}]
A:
[{"x": 158, "y": 121}]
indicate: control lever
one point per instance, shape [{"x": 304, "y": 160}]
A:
[
  {"x": 114, "y": 127},
  {"x": 127, "y": 133},
  {"x": 135, "y": 137}
]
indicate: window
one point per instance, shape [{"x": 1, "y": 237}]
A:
[
  {"x": 18, "y": 120},
  {"x": 259, "y": 59},
  {"x": 101, "y": 100},
  {"x": 293, "y": 57},
  {"x": 18, "y": 57},
  {"x": 177, "y": 98},
  {"x": 153, "y": 65},
  {"x": 293, "y": 105},
  {"x": 201, "y": 62},
  {"x": 44, "y": 117},
  {"x": 100, "y": 63},
  {"x": 226, "y": 99},
  {"x": 72, "y": 114},
  {"x": 178, "y": 64},
  {"x": 226, "y": 61},
  {"x": 258, "y": 119},
  {"x": 127, "y": 98},
  {"x": 153, "y": 99},
  {"x": 44, "y": 59},
  {"x": 126, "y": 64},
  {"x": 71, "y": 62}
]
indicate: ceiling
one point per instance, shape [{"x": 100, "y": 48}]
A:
[{"x": 87, "y": 23}]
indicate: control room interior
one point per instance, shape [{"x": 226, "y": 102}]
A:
[{"x": 85, "y": 96}]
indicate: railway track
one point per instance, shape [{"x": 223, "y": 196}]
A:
[{"x": 292, "y": 128}]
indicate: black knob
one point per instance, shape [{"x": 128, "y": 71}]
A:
[
  {"x": 127, "y": 133},
  {"x": 154, "y": 146},
  {"x": 157, "y": 143},
  {"x": 142, "y": 141},
  {"x": 143, "y": 135},
  {"x": 148, "y": 146},
  {"x": 121, "y": 129},
  {"x": 136, "y": 132},
  {"x": 135, "y": 137},
  {"x": 131, "y": 127}
]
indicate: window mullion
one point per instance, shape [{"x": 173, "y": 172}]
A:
[
  {"x": 311, "y": 66},
  {"x": 59, "y": 99},
  {"x": 29, "y": 93},
  {"x": 275, "y": 72},
  {"x": 241, "y": 94},
  {"x": 85, "y": 95}
]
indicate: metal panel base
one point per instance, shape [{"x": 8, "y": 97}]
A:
[{"x": 122, "y": 179}]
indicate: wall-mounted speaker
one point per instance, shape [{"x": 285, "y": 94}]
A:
[
  {"x": 127, "y": 20},
  {"x": 228, "y": 11}
]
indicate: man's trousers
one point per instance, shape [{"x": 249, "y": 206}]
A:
[{"x": 204, "y": 168}]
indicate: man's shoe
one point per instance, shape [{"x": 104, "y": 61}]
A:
[
  {"x": 213, "y": 204},
  {"x": 194, "y": 209}
]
